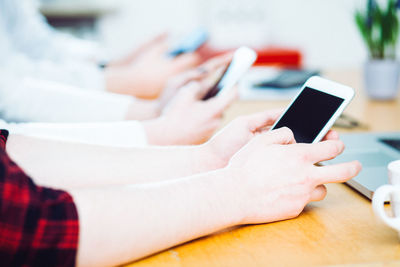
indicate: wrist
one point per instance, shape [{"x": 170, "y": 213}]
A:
[
  {"x": 208, "y": 159},
  {"x": 156, "y": 132},
  {"x": 143, "y": 110},
  {"x": 228, "y": 193}
]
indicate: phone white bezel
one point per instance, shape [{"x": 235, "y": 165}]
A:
[
  {"x": 329, "y": 87},
  {"x": 243, "y": 58}
]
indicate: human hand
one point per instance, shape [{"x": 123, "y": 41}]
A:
[
  {"x": 189, "y": 120},
  {"x": 200, "y": 73},
  {"x": 136, "y": 52},
  {"x": 148, "y": 71},
  {"x": 274, "y": 179},
  {"x": 240, "y": 131}
]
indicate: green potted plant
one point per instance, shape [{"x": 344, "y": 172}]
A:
[{"x": 379, "y": 27}]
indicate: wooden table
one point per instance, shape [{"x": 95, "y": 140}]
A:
[{"x": 342, "y": 229}]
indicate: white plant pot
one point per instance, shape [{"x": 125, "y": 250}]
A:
[{"x": 381, "y": 79}]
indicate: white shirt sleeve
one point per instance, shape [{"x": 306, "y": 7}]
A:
[
  {"x": 82, "y": 75},
  {"x": 43, "y": 101},
  {"x": 117, "y": 134},
  {"x": 31, "y": 48},
  {"x": 33, "y": 36}
]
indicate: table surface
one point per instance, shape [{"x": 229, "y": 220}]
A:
[{"x": 341, "y": 230}]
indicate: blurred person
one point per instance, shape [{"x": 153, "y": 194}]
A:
[
  {"x": 184, "y": 120},
  {"x": 26, "y": 99},
  {"x": 116, "y": 205},
  {"x": 49, "y": 54}
]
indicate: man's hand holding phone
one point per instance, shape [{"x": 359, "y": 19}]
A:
[
  {"x": 316, "y": 108},
  {"x": 243, "y": 59}
]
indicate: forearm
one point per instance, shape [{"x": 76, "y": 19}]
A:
[
  {"x": 143, "y": 110},
  {"x": 119, "y": 134},
  {"x": 126, "y": 81},
  {"x": 119, "y": 225},
  {"x": 69, "y": 165}
]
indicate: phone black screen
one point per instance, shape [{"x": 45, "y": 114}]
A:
[
  {"x": 217, "y": 86},
  {"x": 309, "y": 113}
]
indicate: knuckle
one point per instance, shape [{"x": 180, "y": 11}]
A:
[
  {"x": 356, "y": 167},
  {"x": 349, "y": 172},
  {"x": 334, "y": 149},
  {"x": 340, "y": 146},
  {"x": 285, "y": 130},
  {"x": 287, "y": 133}
]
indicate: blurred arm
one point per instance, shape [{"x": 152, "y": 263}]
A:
[
  {"x": 34, "y": 100},
  {"x": 71, "y": 165},
  {"x": 35, "y": 37},
  {"x": 119, "y": 134}
]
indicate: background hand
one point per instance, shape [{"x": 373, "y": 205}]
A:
[
  {"x": 198, "y": 74},
  {"x": 135, "y": 53},
  {"x": 148, "y": 72},
  {"x": 188, "y": 120}
]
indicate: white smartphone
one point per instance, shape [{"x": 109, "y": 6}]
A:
[
  {"x": 315, "y": 109},
  {"x": 242, "y": 60}
]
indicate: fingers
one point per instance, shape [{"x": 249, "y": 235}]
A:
[
  {"x": 262, "y": 119},
  {"x": 186, "y": 61},
  {"x": 318, "y": 194},
  {"x": 322, "y": 151},
  {"x": 331, "y": 135},
  {"x": 282, "y": 136},
  {"x": 338, "y": 173},
  {"x": 149, "y": 44},
  {"x": 159, "y": 49},
  {"x": 200, "y": 73},
  {"x": 194, "y": 89},
  {"x": 218, "y": 104},
  {"x": 188, "y": 76},
  {"x": 216, "y": 63},
  {"x": 160, "y": 38}
]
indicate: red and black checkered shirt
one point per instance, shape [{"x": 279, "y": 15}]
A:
[{"x": 38, "y": 226}]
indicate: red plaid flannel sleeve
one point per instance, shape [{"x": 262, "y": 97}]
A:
[{"x": 38, "y": 226}]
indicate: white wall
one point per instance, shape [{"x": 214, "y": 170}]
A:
[{"x": 324, "y": 30}]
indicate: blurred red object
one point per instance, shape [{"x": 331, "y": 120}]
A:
[{"x": 268, "y": 56}]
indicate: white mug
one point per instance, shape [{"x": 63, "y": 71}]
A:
[{"x": 392, "y": 190}]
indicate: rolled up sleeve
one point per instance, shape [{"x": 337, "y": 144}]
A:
[{"x": 38, "y": 226}]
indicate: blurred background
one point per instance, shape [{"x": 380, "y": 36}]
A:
[{"x": 324, "y": 32}]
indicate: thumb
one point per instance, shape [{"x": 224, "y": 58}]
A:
[
  {"x": 193, "y": 90},
  {"x": 218, "y": 104},
  {"x": 160, "y": 38},
  {"x": 158, "y": 49},
  {"x": 186, "y": 61},
  {"x": 281, "y": 136},
  {"x": 263, "y": 119}
]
